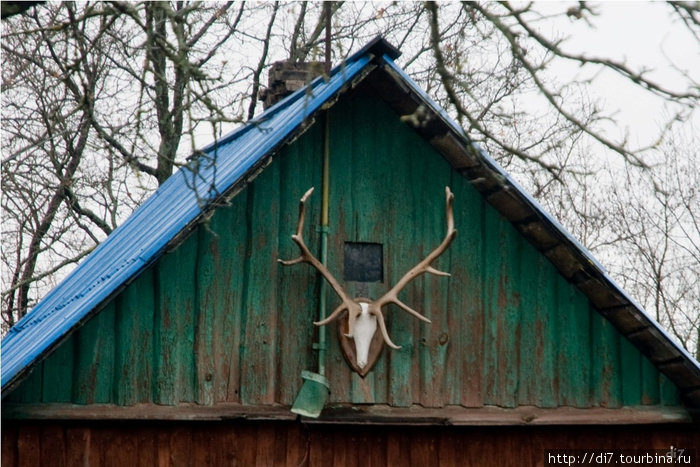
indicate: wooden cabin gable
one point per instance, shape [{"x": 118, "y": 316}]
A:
[{"x": 218, "y": 320}]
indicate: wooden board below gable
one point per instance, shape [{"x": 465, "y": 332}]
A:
[{"x": 297, "y": 444}]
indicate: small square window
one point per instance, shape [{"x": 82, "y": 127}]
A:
[{"x": 364, "y": 262}]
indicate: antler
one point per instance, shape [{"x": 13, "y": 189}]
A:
[
  {"x": 307, "y": 257},
  {"x": 421, "y": 268},
  {"x": 374, "y": 306}
]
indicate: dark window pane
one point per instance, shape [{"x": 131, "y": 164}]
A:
[{"x": 363, "y": 262}]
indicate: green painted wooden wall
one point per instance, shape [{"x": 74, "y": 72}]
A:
[{"x": 218, "y": 319}]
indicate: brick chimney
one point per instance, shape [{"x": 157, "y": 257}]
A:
[{"x": 286, "y": 77}]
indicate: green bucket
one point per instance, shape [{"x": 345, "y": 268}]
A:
[{"x": 313, "y": 395}]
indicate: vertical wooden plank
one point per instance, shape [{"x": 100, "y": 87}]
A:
[
  {"x": 28, "y": 445},
  {"x": 246, "y": 448},
  {"x": 175, "y": 320},
  {"x": 345, "y": 450},
  {"x": 343, "y": 227},
  {"x": 231, "y": 224},
  {"x": 300, "y": 167},
  {"x": 135, "y": 308},
  {"x": 668, "y": 392},
  {"x": 491, "y": 271},
  {"x": 180, "y": 445},
  {"x": 466, "y": 297},
  {"x": 258, "y": 372},
  {"x": 400, "y": 248},
  {"x": 547, "y": 324},
  {"x": 573, "y": 345},
  {"x": 279, "y": 442},
  {"x": 376, "y": 443},
  {"x": 434, "y": 337},
  {"x": 57, "y": 377},
  {"x": 206, "y": 293},
  {"x": 450, "y": 450},
  {"x": 530, "y": 348},
  {"x": 225, "y": 446},
  {"x": 631, "y": 373},
  {"x": 9, "y": 454},
  {"x": 99, "y": 437},
  {"x": 264, "y": 444},
  {"x": 398, "y": 448},
  {"x": 423, "y": 448},
  {"x": 120, "y": 447},
  {"x": 297, "y": 454},
  {"x": 372, "y": 193},
  {"x": 509, "y": 322},
  {"x": 319, "y": 441},
  {"x": 501, "y": 310},
  {"x": 203, "y": 439},
  {"x": 162, "y": 448},
  {"x": 371, "y": 190},
  {"x": 650, "y": 382},
  {"x": 78, "y": 445},
  {"x": 605, "y": 376},
  {"x": 29, "y": 390},
  {"x": 566, "y": 341},
  {"x": 146, "y": 446},
  {"x": 582, "y": 358},
  {"x": 52, "y": 445},
  {"x": 93, "y": 374}
]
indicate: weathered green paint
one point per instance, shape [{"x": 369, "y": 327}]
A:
[
  {"x": 134, "y": 341},
  {"x": 219, "y": 320},
  {"x": 93, "y": 373},
  {"x": 57, "y": 374},
  {"x": 175, "y": 285},
  {"x": 466, "y": 339}
]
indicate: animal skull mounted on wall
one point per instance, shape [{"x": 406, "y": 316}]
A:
[{"x": 364, "y": 316}]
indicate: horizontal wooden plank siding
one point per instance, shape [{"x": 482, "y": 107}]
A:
[
  {"x": 218, "y": 320},
  {"x": 294, "y": 444}
]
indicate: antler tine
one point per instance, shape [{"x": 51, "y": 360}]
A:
[
  {"x": 425, "y": 265},
  {"x": 307, "y": 257},
  {"x": 382, "y": 327},
  {"x": 302, "y": 210},
  {"x": 333, "y": 316}
]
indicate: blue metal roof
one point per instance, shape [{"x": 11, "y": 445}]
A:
[
  {"x": 174, "y": 205},
  {"x": 187, "y": 194}
]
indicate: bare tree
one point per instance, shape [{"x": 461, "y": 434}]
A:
[
  {"x": 102, "y": 101},
  {"x": 97, "y": 96},
  {"x": 51, "y": 126},
  {"x": 658, "y": 224}
]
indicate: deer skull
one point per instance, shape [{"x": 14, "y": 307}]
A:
[
  {"x": 364, "y": 315},
  {"x": 362, "y": 334}
]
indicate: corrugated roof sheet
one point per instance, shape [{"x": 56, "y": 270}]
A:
[{"x": 186, "y": 195}]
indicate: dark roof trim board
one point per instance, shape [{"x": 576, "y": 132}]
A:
[
  {"x": 228, "y": 164},
  {"x": 365, "y": 414}
]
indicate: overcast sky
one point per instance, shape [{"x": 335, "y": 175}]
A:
[{"x": 642, "y": 34}]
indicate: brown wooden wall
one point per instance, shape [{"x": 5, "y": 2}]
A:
[{"x": 295, "y": 444}]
